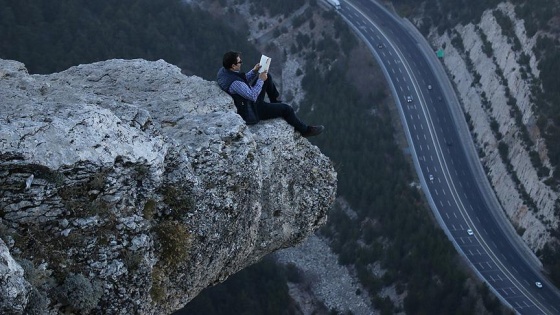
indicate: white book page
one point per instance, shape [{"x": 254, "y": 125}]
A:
[{"x": 265, "y": 63}]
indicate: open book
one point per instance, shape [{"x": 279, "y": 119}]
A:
[{"x": 265, "y": 63}]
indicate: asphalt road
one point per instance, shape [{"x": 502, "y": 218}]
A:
[{"x": 446, "y": 163}]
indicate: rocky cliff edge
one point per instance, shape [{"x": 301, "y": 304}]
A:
[{"x": 127, "y": 187}]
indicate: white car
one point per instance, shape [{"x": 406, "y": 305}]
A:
[
  {"x": 429, "y": 86},
  {"x": 470, "y": 232},
  {"x": 431, "y": 177},
  {"x": 538, "y": 284},
  {"x": 409, "y": 99}
]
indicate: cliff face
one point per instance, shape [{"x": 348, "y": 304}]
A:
[
  {"x": 493, "y": 78},
  {"x": 127, "y": 187}
]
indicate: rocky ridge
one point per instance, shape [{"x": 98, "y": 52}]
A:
[
  {"x": 127, "y": 187},
  {"x": 485, "y": 84}
]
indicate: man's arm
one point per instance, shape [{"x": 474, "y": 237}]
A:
[
  {"x": 251, "y": 74},
  {"x": 250, "y": 93}
]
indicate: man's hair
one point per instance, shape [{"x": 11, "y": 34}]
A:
[{"x": 230, "y": 59}]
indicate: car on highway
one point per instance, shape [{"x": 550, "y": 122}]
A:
[
  {"x": 470, "y": 232},
  {"x": 380, "y": 46},
  {"x": 429, "y": 86},
  {"x": 431, "y": 177},
  {"x": 538, "y": 284},
  {"x": 409, "y": 99}
]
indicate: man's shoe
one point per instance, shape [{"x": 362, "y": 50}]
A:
[{"x": 313, "y": 131}]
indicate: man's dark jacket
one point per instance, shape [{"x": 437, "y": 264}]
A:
[{"x": 245, "y": 108}]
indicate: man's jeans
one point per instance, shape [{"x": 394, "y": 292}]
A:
[{"x": 275, "y": 110}]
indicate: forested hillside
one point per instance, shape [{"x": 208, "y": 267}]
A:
[
  {"x": 393, "y": 230},
  {"x": 53, "y": 36}
]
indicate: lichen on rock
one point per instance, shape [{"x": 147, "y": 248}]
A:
[{"x": 146, "y": 188}]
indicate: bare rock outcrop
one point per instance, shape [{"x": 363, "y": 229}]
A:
[{"x": 127, "y": 187}]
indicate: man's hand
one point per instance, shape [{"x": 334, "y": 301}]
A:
[
  {"x": 263, "y": 75},
  {"x": 257, "y": 67}
]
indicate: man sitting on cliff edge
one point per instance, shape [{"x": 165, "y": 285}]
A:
[{"x": 245, "y": 93}]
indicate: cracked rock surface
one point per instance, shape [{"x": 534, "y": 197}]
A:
[{"x": 127, "y": 187}]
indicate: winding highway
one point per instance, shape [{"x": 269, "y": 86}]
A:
[{"x": 446, "y": 161}]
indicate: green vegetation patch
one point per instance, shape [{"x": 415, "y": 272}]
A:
[
  {"x": 175, "y": 242},
  {"x": 79, "y": 293},
  {"x": 179, "y": 199},
  {"x": 157, "y": 291}
]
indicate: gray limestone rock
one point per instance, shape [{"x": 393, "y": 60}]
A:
[
  {"x": 145, "y": 188},
  {"x": 14, "y": 289}
]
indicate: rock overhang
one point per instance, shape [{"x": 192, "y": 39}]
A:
[{"x": 129, "y": 154}]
